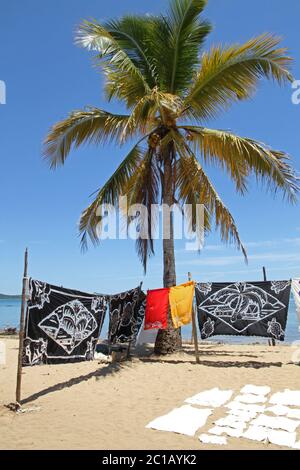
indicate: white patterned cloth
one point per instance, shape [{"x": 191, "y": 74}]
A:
[
  {"x": 242, "y": 415},
  {"x": 237, "y": 405},
  {"x": 213, "y": 398},
  {"x": 250, "y": 398},
  {"x": 219, "y": 430},
  {"x": 288, "y": 398},
  {"x": 296, "y": 292},
  {"x": 184, "y": 420},
  {"x": 231, "y": 421},
  {"x": 256, "y": 390},
  {"x": 256, "y": 433},
  {"x": 281, "y": 438},
  {"x": 276, "y": 422},
  {"x": 281, "y": 410},
  {"x": 210, "y": 439}
]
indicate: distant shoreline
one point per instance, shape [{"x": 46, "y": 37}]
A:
[{"x": 4, "y": 296}]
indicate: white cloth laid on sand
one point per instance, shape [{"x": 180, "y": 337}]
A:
[
  {"x": 213, "y": 397},
  {"x": 281, "y": 438},
  {"x": 184, "y": 420},
  {"x": 256, "y": 433},
  {"x": 288, "y": 397},
  {"x": 210, "y": 439},
  {"x": 282, "y": 410},
  {"x": 236, "y": 405},
  {"x": 231, "y": 421},
  {"x": 219, "y": 430},
  {"x": 241, "y": 415},
  {"x": 256, "y": 390},
  {"x": 250, "y": 398},
  {"x": 276, "y": 422}
]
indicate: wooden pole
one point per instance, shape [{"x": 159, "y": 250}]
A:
[
  {"x": 193, "y": 323},
  {"x": 194, "y": 328},
  {"x": 21, "y": 333},
  {"x": 271, "y": 341},
  {"x": 192, "y": 337},
  {"x": 264, "y": 273}
]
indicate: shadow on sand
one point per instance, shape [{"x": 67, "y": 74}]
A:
[
  {"x": 146, "y": 355},
  {"x": 221, "y": 364},
  {"x": 110, "y": 369}
]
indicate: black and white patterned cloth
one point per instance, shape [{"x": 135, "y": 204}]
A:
[
  {"x": 126, "y": 315},
  {"x": 62, "y": 325},
  {"x": 243, "y": 308}
]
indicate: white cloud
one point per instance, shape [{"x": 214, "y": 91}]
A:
[
  {"x": 214, "y": 247},
  {"x": 280, "y": 242},
  {"x": 205, "y": 248},
  {"x": 231, "y": 260},
  {"x": 272, "y": 243}
]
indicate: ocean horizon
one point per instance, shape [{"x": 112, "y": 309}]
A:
[{"x": 10, "y": 317}]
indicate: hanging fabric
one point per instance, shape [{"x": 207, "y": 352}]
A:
[
  {"x": 62, "y": 325},
  {"x": 243, "y": 308},
  {"x": 181, "y": 303},
  {"x": 126, "y": 315},
  {"x": 296, "y": 292},
  {"x": 157, "y": 306},
  {"x": 146, "y": 337}
]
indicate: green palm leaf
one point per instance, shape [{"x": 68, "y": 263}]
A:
[
  {"x": 144, "y": 188},
  {"x": 120, "y": 49},
  {"x": 230, "y": 74},
  {"x": 242, "y": 156},
  {"x": 92, "y": 125},
  {"x": 153, "y": 66},
  {"x": 192, "y": 180},
  {"x": 116, "y": 186},
  {"x": 179, "y": 37}
]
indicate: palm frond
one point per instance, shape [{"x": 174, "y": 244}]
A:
[
  {"x": 187, "y": 34},
  {"x": 116, "y": 186},
  {"x": 174, "y": 42},
  {"x": 192, "y": 180},
  {"x": 192, "y": 199},
  {"x": 242, "y": 156},
  {"x": 230, "y": 74},
  {"x": 145, "y": 113},
  {"x": 144, "y": 188},
  {"x": 92, "y": 125},
  {"x": 123, "y": 86},
  {"x": 120, "y": 48}
]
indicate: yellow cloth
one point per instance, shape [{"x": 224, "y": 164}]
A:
[{"x": 181, "y": 303}]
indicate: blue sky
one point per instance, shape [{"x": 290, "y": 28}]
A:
[{"x": 47, "y": 76}]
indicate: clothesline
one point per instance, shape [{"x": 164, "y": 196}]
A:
[{"x": 63, "y": 325}]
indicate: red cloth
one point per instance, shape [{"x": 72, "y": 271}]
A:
[{"x": 157, "y": 306}]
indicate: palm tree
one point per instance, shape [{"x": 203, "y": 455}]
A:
[{"x": 155, "y": 65}]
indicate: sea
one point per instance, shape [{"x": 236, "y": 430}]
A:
[{"x": 10, "y": 317}]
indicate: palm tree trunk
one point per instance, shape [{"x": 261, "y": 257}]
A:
[{"x": 168, "y": 340}]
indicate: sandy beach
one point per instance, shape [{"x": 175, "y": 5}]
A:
[{"x": 107, "y": 406}]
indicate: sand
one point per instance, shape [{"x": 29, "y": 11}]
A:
[{"x": 98, "y": 406}]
